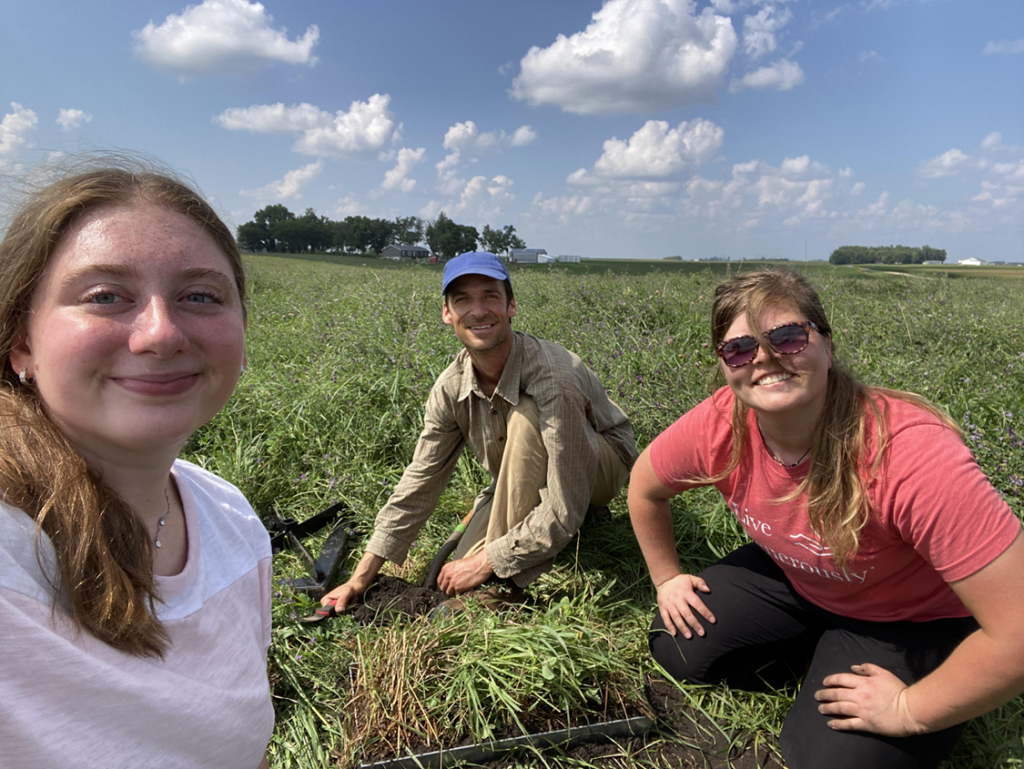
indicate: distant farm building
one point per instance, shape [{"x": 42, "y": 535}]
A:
[
  {"x": 405, "y": 253},
  {"x": 971, "y": 261},
  {"x": 568, "y": 258},
  {"x": 526, "y": 255}
]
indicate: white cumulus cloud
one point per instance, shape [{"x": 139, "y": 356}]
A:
[
  {"x": 994, "y": 143},
  {"x": 634, "y": 55},
  {"x": 349, "y": 205},
  {"x": 797, "y": 190},
  {"x": 16, "y": 130},
  {"x": 467, "y": 137},
  {"x": 466, "y": 140},
  {"x": 461, "y": 136},
  {"x": 562, "y": 208},
  {"x": 221, "y": 37},
  {"x": 657, "y": 150},
  {"x": 949, "y": 163},
  {"x": 483, "y": 198},
  {"x": 366, "y": 129},
  {"x": 448, "y": 181},
  {"x": 72, "y": 118},
  {"x": 396, "y": 179},
  {"x": 803, "y": 166},
  {"x": 1004, "y": 46},
  {"x": 274, "y": 118},
  {"x": 782, "y": 75},
  {"x": 287, "y": 188},
  {"x": 878, "y": 208},
  {"x": 760, "y": 28},
  {"x": 430, "y": 211},
  {"x": 522, "y": 136}
]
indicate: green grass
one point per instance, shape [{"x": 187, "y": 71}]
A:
[{"x": 341, "y": 359}]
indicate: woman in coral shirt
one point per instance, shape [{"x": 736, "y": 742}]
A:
[{"x": 883, "y": 563}]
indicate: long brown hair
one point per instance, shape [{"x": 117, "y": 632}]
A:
[
  {"x": 103, "y": 551},
  {"x": 836, "y": 482}
]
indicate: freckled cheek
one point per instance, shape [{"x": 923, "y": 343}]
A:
[
  {"x": 225, "y": 344},
  {"x": 61, "y": 348}
]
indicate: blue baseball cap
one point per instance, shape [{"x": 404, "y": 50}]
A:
[{"x": 473, "y": 263}]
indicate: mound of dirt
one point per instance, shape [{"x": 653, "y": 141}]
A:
[{"x": 391, "y": 598}]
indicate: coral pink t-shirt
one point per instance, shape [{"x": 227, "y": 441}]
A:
[
  {"x": 69, "y": 700},
  {"x": 936, "y": 518}
]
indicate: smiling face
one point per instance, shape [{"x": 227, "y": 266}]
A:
[
  {"x": 479, "y": 310},
  {"x": 781, "y": 385},
  {"x": 136, "y": 333}
]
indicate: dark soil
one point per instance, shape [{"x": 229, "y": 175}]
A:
[
  {"x": 391, "y": 598},
  {"x": 682, "y": 738},
  {"x": 701, "y": 742}
]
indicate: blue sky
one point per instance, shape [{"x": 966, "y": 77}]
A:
[{"x": 628, "y": 128}]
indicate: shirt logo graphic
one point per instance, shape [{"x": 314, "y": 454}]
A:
[{"x": 812, "y": 545}]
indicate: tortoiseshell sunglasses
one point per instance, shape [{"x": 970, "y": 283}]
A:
[{"x": 785, "y": 339}]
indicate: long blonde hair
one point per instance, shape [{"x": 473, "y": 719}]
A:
[
  {"x": 103, "y": 551},
  {"x": 838, "y": 505}
]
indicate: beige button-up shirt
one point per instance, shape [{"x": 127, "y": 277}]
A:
[{"x": 574, "y": 409}]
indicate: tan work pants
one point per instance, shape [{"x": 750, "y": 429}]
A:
[{"x": 523, "y": 473}]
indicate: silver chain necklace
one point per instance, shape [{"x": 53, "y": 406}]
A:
[
  {"x": 773, "y": 455},
  {"x": 163, "y": 519}
]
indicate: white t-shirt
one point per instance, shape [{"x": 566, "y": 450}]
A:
[{"x": 69, "y": 700}]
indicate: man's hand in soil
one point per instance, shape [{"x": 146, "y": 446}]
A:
[
  {"x": 465, "y": 574},
  {"x": 363, "y": 576}
]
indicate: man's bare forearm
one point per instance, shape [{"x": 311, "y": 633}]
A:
[{"x": 364, "y": 574}]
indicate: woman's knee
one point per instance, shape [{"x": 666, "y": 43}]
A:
[
  {"x": 808, "y": 743},
  {"x": 683, "y": 659}
]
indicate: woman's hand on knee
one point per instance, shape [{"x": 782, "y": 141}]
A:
[
  {"x": 870, "y": 699},
  {"x": 681, "y": 607}
]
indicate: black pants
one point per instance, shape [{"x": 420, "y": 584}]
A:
[{"x": 766, "y": 634}]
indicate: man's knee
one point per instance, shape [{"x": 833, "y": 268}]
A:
[
  {"x": 524, "y": 446},
  {"x": 524, "y": 416}
]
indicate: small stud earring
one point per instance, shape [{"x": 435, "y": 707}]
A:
[{"x": 243, "y": 369}]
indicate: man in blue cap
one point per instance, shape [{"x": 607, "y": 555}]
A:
[{"x": 538, "y": 421}]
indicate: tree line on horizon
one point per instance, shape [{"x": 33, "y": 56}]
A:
[
  {"x": 275, "y": 230},
  {"x": 886, "y": 255}
]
